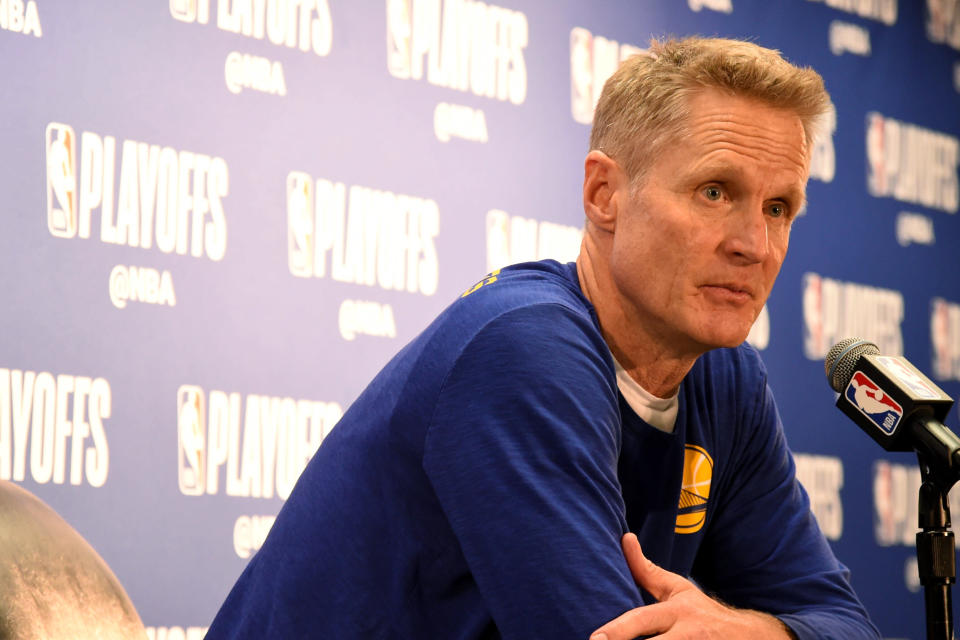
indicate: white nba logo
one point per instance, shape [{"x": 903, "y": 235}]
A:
[
  {"x": 876, "y": 155},
  {"x": 814, "y": 339},
  {"x": 184, "y": 10},
  {"x": 191, "y": 436},
  {"x": 581, "y": 75},
  {"x": 398, "y": 38},
  {"x": 61, "y": 180},
  {"x": 300, "y": 224},
  {"x": 498, "y": 239},
  {"x": 940, "y": 338}
]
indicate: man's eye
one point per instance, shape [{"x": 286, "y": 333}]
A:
[
  {"x": 777, "y": 210},
  {"x": 713, "y": 192}
]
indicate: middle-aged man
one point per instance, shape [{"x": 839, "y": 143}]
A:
[{"x": 481, "y": 485}]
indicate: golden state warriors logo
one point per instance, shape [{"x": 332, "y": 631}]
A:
[
  {"x": 489, "y": 279},
  {"x": 695, "y": 491}
]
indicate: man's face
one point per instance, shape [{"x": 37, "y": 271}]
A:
[{"x": 697, "y": 247}]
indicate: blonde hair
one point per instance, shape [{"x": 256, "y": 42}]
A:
[{"x": 644, "y": 104}]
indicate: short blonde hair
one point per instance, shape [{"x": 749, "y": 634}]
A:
[{"x": 644, "y": 104}]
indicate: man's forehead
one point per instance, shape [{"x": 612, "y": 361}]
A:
[{"x": 719, "y": 122}]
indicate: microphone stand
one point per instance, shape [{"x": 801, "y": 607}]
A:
[{"x": 936, "y": 558}]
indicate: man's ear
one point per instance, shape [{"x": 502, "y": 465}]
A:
[{"x": 602, "y": 182}]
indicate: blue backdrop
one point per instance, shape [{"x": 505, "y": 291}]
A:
[{"x": 222, "y": 217}]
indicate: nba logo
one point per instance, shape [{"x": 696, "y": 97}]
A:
[
  {"x": 398, "y": 38},
  {"x": 192, "y": 435},
  {"x": 300, "y": 224},
  {"x": 498, "y": 239},
  {"x": 190, "y": 10},
  {"x": 814, "y": 342},
  {"x": 581, "y": 75},
  {"x": 876, "y": 151},
  {"x": 184, "y": 10},
  {"x": 916, "y": 383},
  {"x": 882, "y": 410},
  {"x": 940, "y": 338},
  {"x": 61, "y": 180},
  {"x": 885, "y": 524}
]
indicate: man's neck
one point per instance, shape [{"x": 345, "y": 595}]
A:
[{"x": 657, "y": 362}]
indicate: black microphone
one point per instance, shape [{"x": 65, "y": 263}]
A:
[{"x": 894, "y": 403}]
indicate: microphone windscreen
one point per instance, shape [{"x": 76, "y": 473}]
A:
[{"x": 841, "y": 360}]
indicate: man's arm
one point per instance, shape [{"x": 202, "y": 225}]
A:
[
  {"x": 682, "y": 610},
  {"x": 762, "y": 552},
  {"x": 763, "y": 549},
  {"x": 522, "y": 454}
]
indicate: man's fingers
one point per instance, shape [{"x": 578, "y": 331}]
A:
[
  {"x": 659, "y": 582},
  {"x": 682, "y": 609},
  {"x": 649, "y": 620},
  {"x": 634, "y": 555}
]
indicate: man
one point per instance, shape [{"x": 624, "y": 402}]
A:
[{"x": 480, "y": 486}]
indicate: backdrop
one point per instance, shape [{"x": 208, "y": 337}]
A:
[{"x": 222, "y": 217}]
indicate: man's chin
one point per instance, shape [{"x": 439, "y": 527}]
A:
[{"x": 720, "y": 337}]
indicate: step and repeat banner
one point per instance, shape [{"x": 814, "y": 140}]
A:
[{"x": 220, "y": 218}]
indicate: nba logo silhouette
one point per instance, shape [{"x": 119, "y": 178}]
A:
[
  {"x": 184, "y": 10},
  {"x": 191, "y": 435},
  {"x": 399, "y": 34},
  {"x": 300, "y": 224},
  {"x": 814, "y": 339},
  {"x": 498, "y": 239},
  {"x": 61, "y": 180},
  {"x": 943, "y": 366},
  {"x": 877, "y": 179},
  {"x": 882, "y": 410},
  {"x": 581, "y": 75},
  {"x": 190, "y": 10}
]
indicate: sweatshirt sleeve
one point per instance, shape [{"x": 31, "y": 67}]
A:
[
  {"x": 765, "y": 550},
  {"x": 522, "y": 453}
]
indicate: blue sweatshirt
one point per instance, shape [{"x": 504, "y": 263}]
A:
[{"x": 479, "y": 488}]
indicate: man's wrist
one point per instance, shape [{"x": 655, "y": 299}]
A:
[{"x": 776, "y": 626}]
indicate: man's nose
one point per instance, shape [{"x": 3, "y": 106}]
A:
[{"x": 747, "y": 236}]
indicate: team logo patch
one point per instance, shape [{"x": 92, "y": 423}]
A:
[
  {"x": 880, "y": 408},
  {"x": 489, "y": 279},
  {"x": 695, "y": 490}
]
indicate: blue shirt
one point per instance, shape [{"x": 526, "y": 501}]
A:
[{"x": 479, "y": 488}]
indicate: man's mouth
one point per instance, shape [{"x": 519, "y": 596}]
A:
[{"x": 729, "y": 292}]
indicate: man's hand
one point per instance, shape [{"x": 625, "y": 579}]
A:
[{"x": 682, "y": 610}]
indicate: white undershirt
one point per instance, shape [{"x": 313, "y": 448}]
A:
[{"x": 657, "y": 412}]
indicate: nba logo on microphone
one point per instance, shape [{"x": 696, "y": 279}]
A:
[
  {"x": 882, "y": 410},
  {"x": 61, "y": 180},
  {"x": 192, "y": 435}
]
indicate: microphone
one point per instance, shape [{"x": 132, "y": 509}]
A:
[
  {"x": 894, "y": 403},
  {"x": 902, "y": 410}
]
